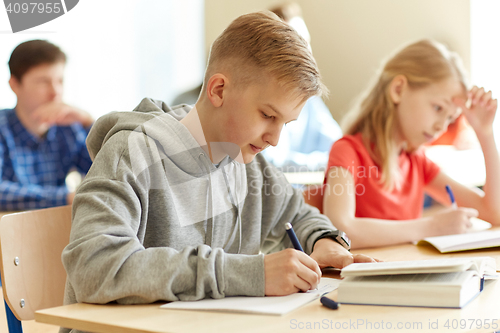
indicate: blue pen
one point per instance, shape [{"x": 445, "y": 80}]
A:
[
  {"x": 452, "y": 197},
  {"x": 329, "y": 303},
  {"x": 293, "y": 237}
]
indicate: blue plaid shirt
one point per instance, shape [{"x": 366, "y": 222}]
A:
[{"x": 33, "y": 170}]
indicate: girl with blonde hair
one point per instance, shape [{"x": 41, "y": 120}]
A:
[{"x": 377, "y": 173}]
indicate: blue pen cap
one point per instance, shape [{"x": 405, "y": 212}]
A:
[{"x": 329, "y": 303}]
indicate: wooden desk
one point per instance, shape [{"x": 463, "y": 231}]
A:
[{"x": 349, "y": 318}]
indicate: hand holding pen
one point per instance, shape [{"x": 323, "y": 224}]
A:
[
  {"x": 455, "y": 207},
  {"x": 329, "y": 303},
  {"x": 450, "y": 221},
  {"x": 290, "y": 271}
]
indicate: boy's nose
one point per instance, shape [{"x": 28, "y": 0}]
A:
[
  {"x": 56, "y": 89},
  {"x": 273, "y": 135}
]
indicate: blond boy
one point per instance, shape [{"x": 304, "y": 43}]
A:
[{"x": 169, "y": 212}]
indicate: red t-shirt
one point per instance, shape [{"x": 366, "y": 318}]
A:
[{"x": 371, "y": 198}]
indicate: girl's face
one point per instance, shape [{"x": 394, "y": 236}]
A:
[{"x": 423, "y": 114}]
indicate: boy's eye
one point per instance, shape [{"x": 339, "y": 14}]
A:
[
  {"x": 266, "y": 116},
  {"x": 437, "y": 108}
]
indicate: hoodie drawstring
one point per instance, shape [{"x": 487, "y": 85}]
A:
[
  {"x": 208, "y": 202},
  {"x": 237, "y": 228}
]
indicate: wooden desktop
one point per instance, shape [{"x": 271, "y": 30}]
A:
[{"x": 477, "y": 316}]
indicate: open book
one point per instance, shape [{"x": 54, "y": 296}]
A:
[
  {"x": 272, "y": 305},
  {"x": 463, "y": 242},
  {"x": 431, "y": 283}
]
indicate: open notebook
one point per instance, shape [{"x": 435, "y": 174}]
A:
[
  {"x": 270, "y": 305},
  {"x": 464, "y": 242}
]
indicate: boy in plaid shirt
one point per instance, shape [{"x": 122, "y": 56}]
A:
[{"x": 42, "y": 138}]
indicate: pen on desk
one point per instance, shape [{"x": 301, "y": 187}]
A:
[
  {"x": 293, "y": 237},
  {"x": 452, "y": 197},
  {"x": 329, "y": 303}
]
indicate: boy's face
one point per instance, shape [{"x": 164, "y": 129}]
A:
[
  {"x": 39, "y": 85},
  {"x": 253, "y": 115}
]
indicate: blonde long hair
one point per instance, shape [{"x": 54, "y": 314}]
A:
[{"x": 422, "y": 63}]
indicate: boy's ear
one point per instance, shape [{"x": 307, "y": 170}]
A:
[
  {"x": 216, "y": 87},
  {"x": 396, "y": 87},
  {"x": 14, "y": 84}
]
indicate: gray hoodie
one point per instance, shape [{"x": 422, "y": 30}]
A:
[{"x": 154, "y": 219}]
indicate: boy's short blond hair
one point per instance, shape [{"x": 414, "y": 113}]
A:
[{"x": 260, "y": 44}]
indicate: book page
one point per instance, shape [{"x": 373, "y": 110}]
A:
[
  {"x": 272, "y": 305},
  {"x": 478, "y": 225},
  {"x": 467, "y": 241},
  {"x": 452, "y": 278},
  {"x": 416, "y": 266}
]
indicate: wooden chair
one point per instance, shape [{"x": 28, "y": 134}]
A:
[
  {"x": 313, "y": 195},
  {"x": 33, "y": 276}
]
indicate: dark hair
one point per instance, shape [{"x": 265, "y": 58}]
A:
[{"x": 31, "y": 54}]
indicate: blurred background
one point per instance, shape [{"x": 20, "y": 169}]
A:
[{"x": 121, "y": 51}]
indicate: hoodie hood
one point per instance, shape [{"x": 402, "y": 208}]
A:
[{"x": 110, "y": 124}]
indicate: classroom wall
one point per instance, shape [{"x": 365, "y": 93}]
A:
[{"x": 350, "y": 38}]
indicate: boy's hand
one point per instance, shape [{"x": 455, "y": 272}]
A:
[
  {"x": 329, "y": 253},
  {"x": 451, "y": 221},
  {"x": 59, "y": 113},
  {"x": 481, "y": 112},
  {"x": 290, "y": 271}
]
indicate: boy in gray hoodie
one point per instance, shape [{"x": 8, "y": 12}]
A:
[{"x": 179, "y": 205}]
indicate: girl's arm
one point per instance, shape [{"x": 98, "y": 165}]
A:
[
  {"x": 370, "y": 232},
  {"x": 480, "y": 115}
]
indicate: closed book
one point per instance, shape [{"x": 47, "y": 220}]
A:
[
  {"x": 450, "y": 283},
  {"x": 450, "y": 290}
]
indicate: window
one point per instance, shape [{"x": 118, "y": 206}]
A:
[
  {"x": 119, "y": 52},
  {"x": 485, "y": 49}
]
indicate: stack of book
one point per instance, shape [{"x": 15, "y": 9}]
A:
[{"x": 429, "y": 283}]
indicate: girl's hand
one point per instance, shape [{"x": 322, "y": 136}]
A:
[
  {"x": 451, "y": 221},
  {"x": 482, "y": 110}
]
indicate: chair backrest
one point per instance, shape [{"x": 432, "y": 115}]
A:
[
  {"x": 31, "y": 243},
  {"x": 313, "y": 195}
]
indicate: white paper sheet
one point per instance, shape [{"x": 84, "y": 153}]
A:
[{"x": 270, "y": 305}]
